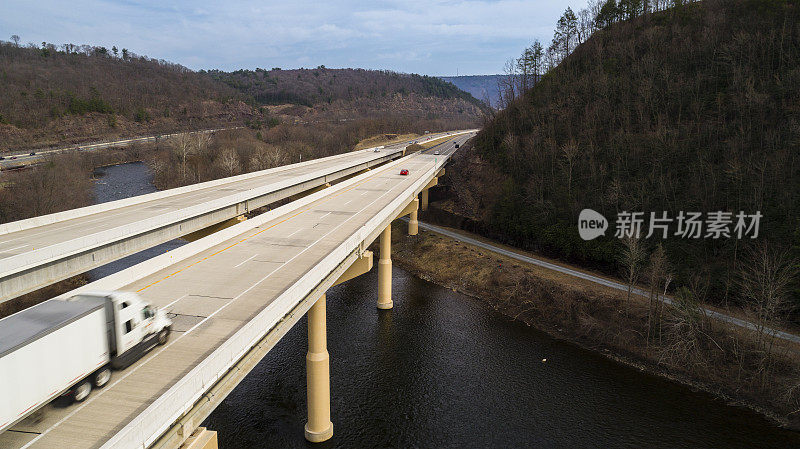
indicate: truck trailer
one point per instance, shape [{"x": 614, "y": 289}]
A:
[{"x": 67, "y": 347}]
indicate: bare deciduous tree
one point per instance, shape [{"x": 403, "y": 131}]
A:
[
  {"x": 659, "y": 274},
  {"x": 229, "y": 161},
  {"x": 508, "y": 84},
  {"x": 182, "y": 146},
  {"x": 570, "y": 153},
  {"x": 764, "y": 281},
  {"x": 633, "y": 256}
]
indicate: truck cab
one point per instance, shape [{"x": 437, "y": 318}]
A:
[
  {"x": 67, "y": 347},
  {"x": 133, "y": 326}
]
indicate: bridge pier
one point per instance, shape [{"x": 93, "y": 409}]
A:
[
  {"x": 413, "y": 223},
  {"x": 385, "y": 270},
  {"x": 202, "y": 438},
  {"x": 318, "y": 376},
  {"x": 424, "y": 193},
  {"x": 318, "y": 372}
]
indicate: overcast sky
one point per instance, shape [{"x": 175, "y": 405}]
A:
[{"x": 428, "y": 37}]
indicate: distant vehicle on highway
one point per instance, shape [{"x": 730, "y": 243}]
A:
[
  {"x": 13, "y": 157},
  {"x": 436, "y": 152},
  {"x": 33, "y": 153},
  {"x": 67, "y": 347},
  {"x": 404, "y": 172},
  {"x": 456, "y": 145},
  {"x": 2, "y": 157},
  {"x": 377, "y": 150}
]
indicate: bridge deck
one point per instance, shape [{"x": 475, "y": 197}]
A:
[
  {"x": 43, "y": 236},
  {"x": 213, "y": 294},
  {"x": 43, "y": 250}
]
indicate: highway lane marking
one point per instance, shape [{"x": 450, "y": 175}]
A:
[
  {"x": 16, "y": 247},
  {"x": 173, "y": 302},
  {"x": 154, "y": 354},
  {"x": 295, "y": 232},
  {"x": 302, "y": 211},
  {"x": 245, "y": 261}
]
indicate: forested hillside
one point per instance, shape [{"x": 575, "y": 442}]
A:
[
  {"x": 58, "y": 95},
  {"x": 323, "y": 85},
  {"x": 693, "y": 108},
  {"x": 61, "y": 94},
  {"x": 322, "y": 95}
]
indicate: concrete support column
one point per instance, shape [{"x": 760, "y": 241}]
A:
[
  {"x": 202, "y": 438},
  {"x": 424, "y": 198},
  {"x": 385, "y": 270},
  {"x": 318, "y": 376},
  {"x": 413, "y": 223}
]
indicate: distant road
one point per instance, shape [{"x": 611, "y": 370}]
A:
[
  {"x": 17, "y": 160},
  {"x": 598, "y": 280}
]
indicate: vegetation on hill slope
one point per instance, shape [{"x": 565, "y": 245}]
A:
[
  {"x": 341, "y": 95},
  {"x": 310, "y": 87},
  {"x": 694, "y": 108},
  {"x": 188, "y": 159},
  {"x": 53, "y": 96}
]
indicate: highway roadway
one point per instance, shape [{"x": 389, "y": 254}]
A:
[
  {"x": 43, "y": 250},
  {"x": 221, "y": 291},
  {"x": 18, "y": 159}
]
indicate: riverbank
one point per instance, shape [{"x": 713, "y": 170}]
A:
[{"x": 680, "y": 343}]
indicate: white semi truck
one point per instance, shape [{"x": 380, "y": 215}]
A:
[{"x": 66, "y": 347}]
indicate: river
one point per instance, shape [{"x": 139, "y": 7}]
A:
[{"x": 443, "y": 370}]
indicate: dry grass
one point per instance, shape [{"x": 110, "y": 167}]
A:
[
  {"x": 384, "y": 139},
  {"x": 415, "y": 147},
  {"x": 434, "y": 142}
]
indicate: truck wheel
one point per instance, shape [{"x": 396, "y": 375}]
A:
[
  {"x": 163, "y": 336},
  {"x": 101, "y": 377},
  {"x": 82, "y": 391}
]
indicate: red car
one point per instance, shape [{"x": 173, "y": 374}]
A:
[{"x": 404, "y": 172}]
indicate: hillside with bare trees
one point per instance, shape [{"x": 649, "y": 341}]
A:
[
  {"x": 57, "y": 95},
  {"x": 691, "y": 108},
  {"x": 324, "y": 85}
]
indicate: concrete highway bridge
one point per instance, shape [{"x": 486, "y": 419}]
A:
[{"x": 232, "y": 294}]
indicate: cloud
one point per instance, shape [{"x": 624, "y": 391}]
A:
[{"x": 431, "y": 37}]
